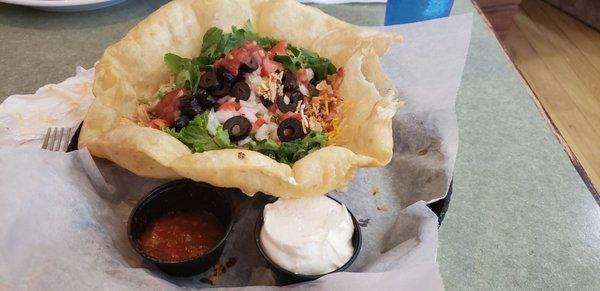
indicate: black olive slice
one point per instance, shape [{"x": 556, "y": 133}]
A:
[
  {"x": 190, "y": 106},
  {"x": 250, "y": 66},
  {"x": 241, "y": 91},
  {"x": 238, "y": 127},
  {"x": 222, "y": 91},
  {"x": 205, "y": 100},
  {"x": 208, "y": 102},
  {"x": 289, "y": 81},
  {"x": 209, "y": 81},
  {"x": 225, "y": 76},
  {"x": 292, "y": 101},
  {"x": 201, "y": 93},
  {"x": 296, "y": 96},
  {"x": 266, "y": 102},
  {"x": 314, "y": 81},
  {"x": 290, "y": 129},
  {"x": 181, "y": 122}
]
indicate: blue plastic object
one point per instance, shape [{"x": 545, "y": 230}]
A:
[{"x": 407, "y": 11}]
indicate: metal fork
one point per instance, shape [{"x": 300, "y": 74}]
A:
[{"x": 57, "y": 139}]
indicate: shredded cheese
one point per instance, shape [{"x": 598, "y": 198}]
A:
[
  {"x": 334, "y": 134},
  {"x": 325, "y": 109}
]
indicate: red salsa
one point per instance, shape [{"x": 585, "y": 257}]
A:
[{"x": 184, "y": 235}]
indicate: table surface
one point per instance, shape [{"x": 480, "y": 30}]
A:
[{"x": 520, "y": 217}]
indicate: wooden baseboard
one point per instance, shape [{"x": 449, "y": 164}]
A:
[
  {"x": 499, "y": 13},
  {"x": 587, "y": 11}
]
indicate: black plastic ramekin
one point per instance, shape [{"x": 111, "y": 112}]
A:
[
  {"x": 182, "y": 196},
  {"x": 285, "y": 277}
]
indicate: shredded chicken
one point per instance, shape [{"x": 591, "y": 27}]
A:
[
  {"x": 337, "y": 80},
  {"x": 271, "y": 86},
  {"x": 323, "y": 86},
  {"x": 325, "y": 109},
  {"x": 142, "y": 114}
]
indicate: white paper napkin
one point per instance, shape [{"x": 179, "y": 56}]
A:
[{"x": 25, "y": 118}]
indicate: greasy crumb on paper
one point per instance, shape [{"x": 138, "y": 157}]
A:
[
  {"x": 218, "y": 271},
  {"x": 374, "y": 190},
  {"x": 382, "y": 207}
]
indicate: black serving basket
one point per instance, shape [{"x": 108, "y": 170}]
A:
[{"x": 438, "y": 207}]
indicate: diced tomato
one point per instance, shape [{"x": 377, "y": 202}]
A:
[
  {"x": 236, "y": 57},
  {"x": 168, "y": 108},
  {"x": 230, "y": 106},
  {"x": 158, "y": 123},
  {"x": 302, "y": 76},
  {"x": 280, "y": 48},
  {"x": 257, "y": 124},
  {"x": 291, "y": 114},
  {"x": 248, "y": 50},
  {"x": 269, "y": 66},
  {"x": 231, "y": 66}
]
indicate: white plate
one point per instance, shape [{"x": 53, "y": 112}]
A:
[{"x": 64, "y": 5}]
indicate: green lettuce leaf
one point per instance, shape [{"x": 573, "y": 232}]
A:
[
  {"x": 291, "y": 152},
  {"x": 187, "y": 71},
  {"x": 174, "y": 63},
  {"x": 160, "y": 94},
  {"x": 196, "y": 136},
  {"x": 210, "y": 42},
  {"x": 302, "y": 58},
  {"x": 222, "y": 138},
  {"x": 216, "y": 44}
]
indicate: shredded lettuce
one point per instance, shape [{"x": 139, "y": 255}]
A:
[
  {"x": 160, "y": 94},
  {"x": 291, "y": 152},
  {"x": 297, "y": 58},
  {"x": 215, "y": 45},
  {"x": 222, "y": 138},
  {"x": 185, "y": 71},
  {"x": 195, "y": 135}
]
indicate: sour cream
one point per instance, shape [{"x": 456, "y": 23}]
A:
[{"x": 308, "y": 236}]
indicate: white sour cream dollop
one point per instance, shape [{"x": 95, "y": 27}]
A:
[{"x": 308, "y": 236}]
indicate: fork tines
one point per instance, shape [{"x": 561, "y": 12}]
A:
[{"x": 57, "y": 139}]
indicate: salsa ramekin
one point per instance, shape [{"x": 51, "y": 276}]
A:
[{"x": 181, "y": 196}]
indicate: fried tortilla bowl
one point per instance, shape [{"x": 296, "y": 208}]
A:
[{"x": 134, "y": 67}]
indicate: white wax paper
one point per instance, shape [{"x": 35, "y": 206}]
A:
[
  {"x": 63, "y": 217},
  {"x": 25, "y": 118}
]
